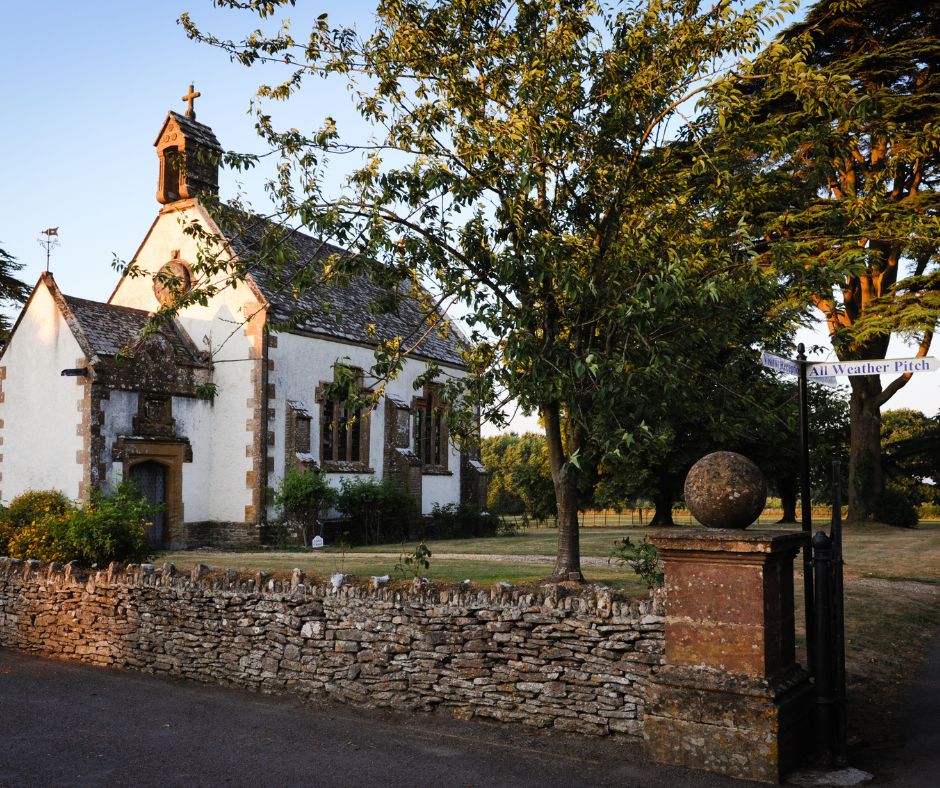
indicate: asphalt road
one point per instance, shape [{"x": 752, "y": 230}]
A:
[{"x": 66, "y": 724}]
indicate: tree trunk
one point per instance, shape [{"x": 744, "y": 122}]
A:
[
  {"x": 568, "y": 559},
  {"x": 866, "y": 481},
  {"x": 663, "y": 500},
  {"x": 787, "y": 487}
]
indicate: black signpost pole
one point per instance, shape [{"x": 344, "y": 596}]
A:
[
  {"x": 838, "y": 618},
  {"x": 807, "y": 512},
  {"x": 823, "y": 678}
]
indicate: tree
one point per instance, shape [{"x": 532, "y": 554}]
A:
[
  {"x": 519, "y": 479},
  {"x": 521, "y": 166},
  {"x": 910, "y": 445},
  {"x": 839, "y": 187},
  {"x": 12, "y": 291},
  {"x": 301, "y": 496}
]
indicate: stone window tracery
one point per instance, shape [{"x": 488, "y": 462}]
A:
[
  {"x": 430, "y": 440},
  {"x": 172, "y": 279},
  {"x": 344, "y": 436}
]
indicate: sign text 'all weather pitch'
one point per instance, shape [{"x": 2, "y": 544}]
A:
[{"x": 888, "y": 366}]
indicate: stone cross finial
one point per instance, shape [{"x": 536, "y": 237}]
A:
[{"x": 190, "y": 97}]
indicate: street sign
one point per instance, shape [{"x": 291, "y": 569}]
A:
[
  {"x": 779, "y": 364},
  {"x": 793, "y": 368},
  {"x": 888, "y": 366}
]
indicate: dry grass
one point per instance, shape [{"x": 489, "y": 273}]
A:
[
  {"x": 887, "y": 629},
  {"x": 482, "y": 572},
  {"x": 871, "y": 550}
]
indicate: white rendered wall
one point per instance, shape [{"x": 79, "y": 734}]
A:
[
  {"x": 40, "y": 409},
  {"x": 117, "y": 414},
  {"x": 193, "y": 421},
  {"x": 219, "y": 484},
  {"x": 301, "y": 363}
]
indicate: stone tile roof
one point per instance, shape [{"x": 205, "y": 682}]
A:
[
  {"x": 109, "y": 328},
  {"x": 193, "y": 130},
  {"x": 315, "y": 310}
]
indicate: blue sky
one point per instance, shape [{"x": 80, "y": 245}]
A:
[{"x": 87, "y": 86}]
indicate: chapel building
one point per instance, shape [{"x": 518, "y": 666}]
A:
[{"x": 85, "y": 402}]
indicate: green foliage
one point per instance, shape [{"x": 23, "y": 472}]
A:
[
  {"x": 207, "y": 390},
  {"x": 461, "y": 521},
  {"x": 377, "y": 511},
  {"x": 642, "y": 557},
  {"x": 45, "y": 526},
  {"x": 111, "y": 527},
  {"x": 32, "y": 506},
  {"x": 893, "y": 507},
  {"x": 519, "y": 479},
  {"x": 414, "y": 563},
  {"x": 12, "y": 290},
  {"x": 831, "y": 140},
  {"x": 910, "y": 450},
  {"x": 301, "y": 496},
  {"x": 929, "y": 511},
  {"x": 519, "y": 161},
  {"x": 33, "y": 526}
]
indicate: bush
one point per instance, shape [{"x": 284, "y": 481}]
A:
[
  {"x": 643, "y": 558},
  {"x": 377, "y": 511},
  {"x": 36, "y": 505},
  {"x": 461, "y": 521},
  {"x": 34, "y": 526},
  {"x": 929, "y": 511},
  {"x": 301, "y": 497},
  {"x": 893, "y": 507},
  {"x": 111, "y": 528},
  {"x": 45, "y": 540},
  {"x": 44, "y": 525}
]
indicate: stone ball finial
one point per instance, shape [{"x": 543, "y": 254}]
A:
[{"x": 725, "y": 490}]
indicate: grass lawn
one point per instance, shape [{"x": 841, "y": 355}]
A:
[
  {"x": 482, "y": 572},
  {"x": 871, "y": 550}
]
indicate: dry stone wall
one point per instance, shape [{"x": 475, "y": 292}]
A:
[{"x": 578, "y": 663}]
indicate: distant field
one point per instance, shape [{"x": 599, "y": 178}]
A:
[{"x": 870, "y": 551}]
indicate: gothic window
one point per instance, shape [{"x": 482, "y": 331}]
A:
[
  {"x": 302, "y": 434},
  {"x": 430, "y": 432},
  {"x": 298, "y": 436},
  {"x": 344, "y": 436}
]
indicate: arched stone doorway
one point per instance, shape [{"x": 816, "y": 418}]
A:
[{"x": 150, "y": 477}]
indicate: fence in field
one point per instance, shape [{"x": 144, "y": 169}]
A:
[{"x": 639, "y": 517}]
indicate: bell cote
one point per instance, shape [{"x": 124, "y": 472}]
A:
[{"x": 186, "y": 150}]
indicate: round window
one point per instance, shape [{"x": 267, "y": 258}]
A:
[{"x": 172, "y": 280}]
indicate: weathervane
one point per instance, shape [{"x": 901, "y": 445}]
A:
[{"x": 49, "y": 243}]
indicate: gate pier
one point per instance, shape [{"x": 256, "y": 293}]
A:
[{"x": 731, "y": 697}]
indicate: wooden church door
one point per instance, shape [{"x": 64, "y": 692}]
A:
[{"x": 150, "y": 477}]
